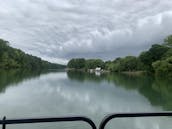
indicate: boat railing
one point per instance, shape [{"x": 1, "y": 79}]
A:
[
  {"x": 4, "y": 122},
  {"x": 109, "y": 117}
]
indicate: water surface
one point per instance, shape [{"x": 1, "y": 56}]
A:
[{"x": 57, "y": 93}]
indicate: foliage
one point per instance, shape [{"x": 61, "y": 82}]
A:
[
  {"x": 77, "y": 63},
  {"x": 129, "y": 63},
  {"x": 163, "y": 67},
  {"x": 81, "y": 63},
  {"x": 167, "y": 54},
  {"x": 155, "y": 53},
  {"x": 155, "y": 60},
  {"x": 168, "y": 41},
  {"x": 93, "y": 63},
  {"x": 15, "y": 58}
]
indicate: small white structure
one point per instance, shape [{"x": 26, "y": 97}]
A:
[{"x": 98, "y": 69}]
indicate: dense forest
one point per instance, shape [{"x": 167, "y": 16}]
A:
[
  {"x": 158, "y": 60},
  {"x": 11, "y": 58}
]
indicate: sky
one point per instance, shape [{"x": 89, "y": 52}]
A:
[{"x": 58, "y": 30}]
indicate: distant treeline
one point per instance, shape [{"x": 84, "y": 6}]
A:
[
  {"x": 11, "y": 58},
  {"x": 158, "y": 60}
]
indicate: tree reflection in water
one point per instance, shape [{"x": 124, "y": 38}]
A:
[{"x": 157, "y": 90}]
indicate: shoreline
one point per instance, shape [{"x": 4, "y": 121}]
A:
[
  {"x": 134, "y": 73},
  {"x": 106, "y": 71}
]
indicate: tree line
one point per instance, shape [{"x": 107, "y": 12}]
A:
[
  {"x": 158, "y": 60},
  {"x": 81, "y": 63},
  {"x": 11, "y": 58}
]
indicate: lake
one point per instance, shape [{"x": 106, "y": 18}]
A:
[{"x": 25, "y": 94}]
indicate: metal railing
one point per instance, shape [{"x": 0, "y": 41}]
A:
[
  {"x": 129, "y": 115},
  {"x": 4, "y": 122}
]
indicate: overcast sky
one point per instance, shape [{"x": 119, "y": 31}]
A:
[{"x": 58, "y": 30}]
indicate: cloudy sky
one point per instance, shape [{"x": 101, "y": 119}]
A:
[{"x": 58, "y": 30}]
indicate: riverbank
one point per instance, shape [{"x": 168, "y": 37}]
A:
[
  {"x": 87, "y": 70},
  {"x": 134, "y": 73}
]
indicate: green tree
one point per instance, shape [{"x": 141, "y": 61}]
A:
[
  {"x": 168, "y": 41},
  {"x": 78, "y": 63},
  {"x": 93, "y": 63},
  {"x": 167, "y": 54},
  {"x": 155, "y": 53},
  {"x": 163, "y": 67},
  {"x": 15, "y": 58}
]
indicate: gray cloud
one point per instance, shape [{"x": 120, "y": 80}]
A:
[{"x": 59, "y": 30}]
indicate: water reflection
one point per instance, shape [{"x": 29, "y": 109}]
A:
[
  {"x": 77, "y": 93},
  {"x": 156, "y": 90},
  {"x": 84, "y": 76},
  {"x": 13, "y": 77}
]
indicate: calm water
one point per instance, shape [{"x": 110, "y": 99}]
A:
[{"x": 43, "y": 94}]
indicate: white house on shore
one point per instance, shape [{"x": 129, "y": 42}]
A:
[{"x": 98, "y": 69}]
